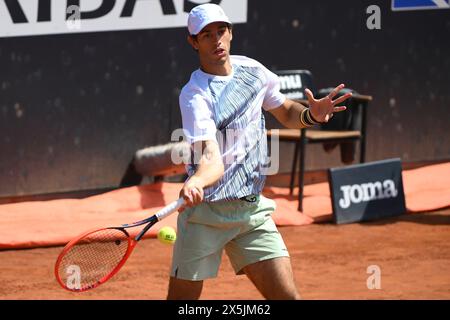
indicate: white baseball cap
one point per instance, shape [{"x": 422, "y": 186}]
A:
[{"x": 204, "y": 14}]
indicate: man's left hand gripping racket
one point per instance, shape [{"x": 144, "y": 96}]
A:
[{"x": 95, "y": 256}]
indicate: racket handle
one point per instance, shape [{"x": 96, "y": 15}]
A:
[
  {"x": 161, "y": 214},
  {"x": 169, "y": 209}
]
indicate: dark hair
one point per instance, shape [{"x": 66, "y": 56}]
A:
[{"x": 229, "y": 26}]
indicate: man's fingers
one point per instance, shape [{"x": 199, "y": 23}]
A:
[
  {"x": 339, "y": 109},
  {"x": 197, "y": 195},
  {"x": 328, "y": 117},
  {"x": 187, "y": 196},
  {"x": 343, "y": 98},
  {"x": 309, "y": 95},
  {"x": 336, "y": 91}
]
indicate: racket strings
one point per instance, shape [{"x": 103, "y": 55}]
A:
[{"x": 92, "y": 258}]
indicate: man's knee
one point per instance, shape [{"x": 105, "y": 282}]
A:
[{"x": 180, "y": 289}]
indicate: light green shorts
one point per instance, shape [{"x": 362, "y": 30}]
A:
[{"x": 245, "y": 229}]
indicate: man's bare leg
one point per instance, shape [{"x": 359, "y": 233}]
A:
[
  {"x": 273, "y": 278},
  {"x": 184, "y": 289}
]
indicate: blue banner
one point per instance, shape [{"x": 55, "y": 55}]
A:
[{"x": 399, "y": 5}]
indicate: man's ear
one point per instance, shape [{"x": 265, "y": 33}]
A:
[
  {"x": 192, "y": 42},
  {"x": 231, "y": 34}
]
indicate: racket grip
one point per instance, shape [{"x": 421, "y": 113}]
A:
[{"x": 169, "y": 209}]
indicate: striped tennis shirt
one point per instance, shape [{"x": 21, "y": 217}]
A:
[{"x": 228, "y": 110}]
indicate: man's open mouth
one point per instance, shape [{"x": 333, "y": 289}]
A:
[{"x": 219, "y": 51}]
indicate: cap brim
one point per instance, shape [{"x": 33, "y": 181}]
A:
[{"x": 203, "y": 25}]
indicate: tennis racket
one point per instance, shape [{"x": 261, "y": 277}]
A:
[{"x": 96, "y": 256}]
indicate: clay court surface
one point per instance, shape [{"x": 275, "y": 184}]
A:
[{"x": 330, "y": 262}]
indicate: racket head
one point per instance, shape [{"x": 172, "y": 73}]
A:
[{"x": 93, "y": 258}]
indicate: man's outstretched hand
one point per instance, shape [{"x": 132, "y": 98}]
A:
[{"x": 322, "y": 110}]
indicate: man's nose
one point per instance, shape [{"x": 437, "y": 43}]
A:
[{"x": 217, "y": 37}]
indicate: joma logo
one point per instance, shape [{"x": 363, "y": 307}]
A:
[
  {"x": 367, "y": 192},
  {"x": 290, "y": 82}
]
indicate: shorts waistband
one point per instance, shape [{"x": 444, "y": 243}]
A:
[{"x": 250, "y": 198}]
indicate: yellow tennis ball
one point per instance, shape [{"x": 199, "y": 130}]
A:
[{"x": 167, "y": 235}]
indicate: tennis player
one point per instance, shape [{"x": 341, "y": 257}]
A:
[{"x": 222, "y": 117}]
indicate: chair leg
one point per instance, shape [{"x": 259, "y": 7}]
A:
[
  {"x": 362, "y": 155},
  {"x": 294, "y": 168},
  {"x": 362, "y": 150},
  {"x": 301, "y": 174}
]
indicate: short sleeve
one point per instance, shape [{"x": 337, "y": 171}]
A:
[
  {"x": 197, "y": 117},
  {"x": 273, "y": 97}
]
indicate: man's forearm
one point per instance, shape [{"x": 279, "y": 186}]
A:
[
  {"x": 210, "y": 167},
  {"x": 289, "y": 115},
  {"x": 293, "y": 115}
]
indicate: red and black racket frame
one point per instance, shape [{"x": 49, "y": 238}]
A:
[{"x": 131, "y": 244}]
